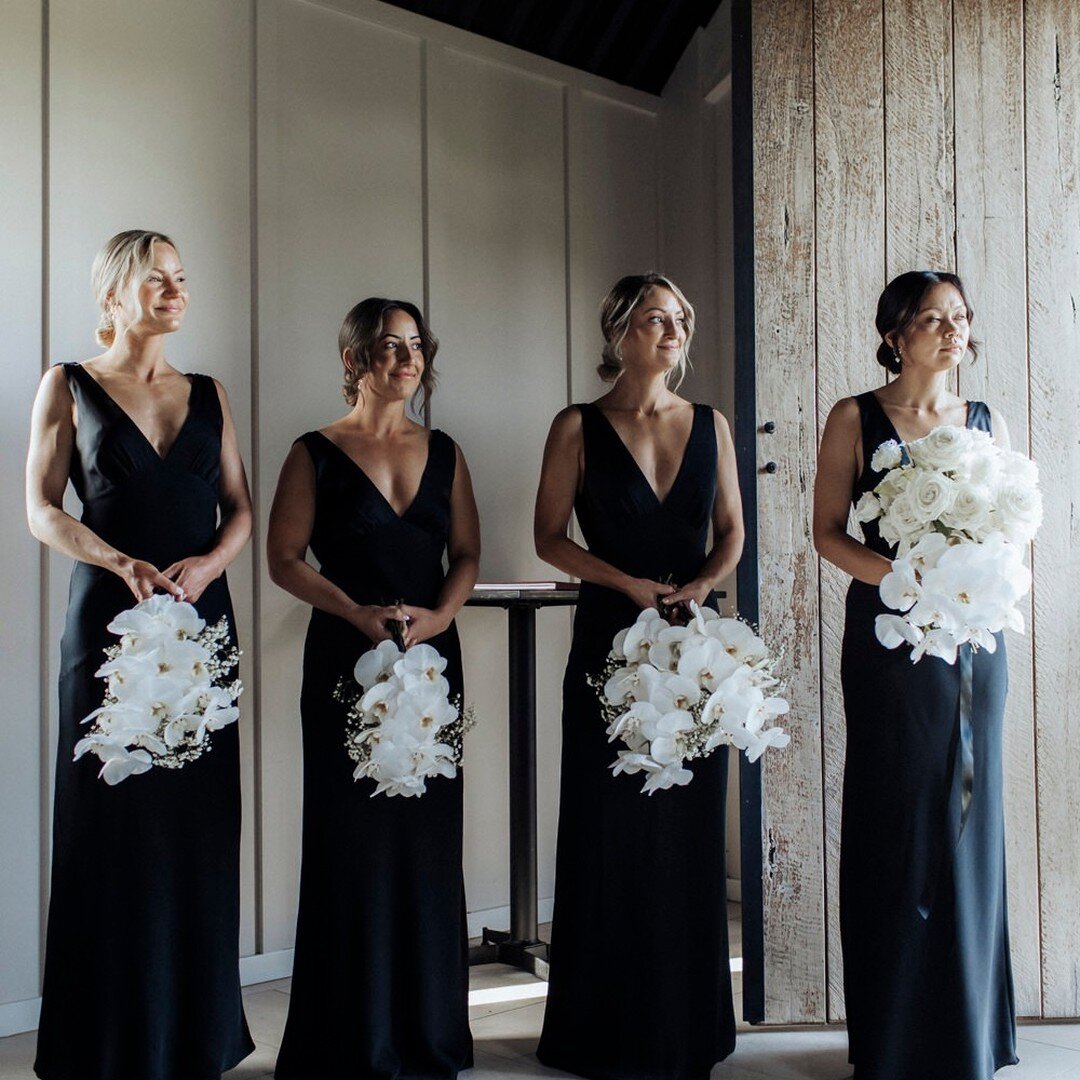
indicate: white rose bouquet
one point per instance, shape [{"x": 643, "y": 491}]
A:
[
  {"x": 960, "y": 510},
  {"x": 167, "y": 687},
  {"x": 674, "y": 693},
  {"x": 401, "y": 727}
]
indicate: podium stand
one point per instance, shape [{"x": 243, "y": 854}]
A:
[{"x": 521, "y": 946}]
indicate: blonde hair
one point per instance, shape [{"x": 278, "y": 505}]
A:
[
  {"x": 619, "y": 305},
  {"x": 119, "y": 268}
]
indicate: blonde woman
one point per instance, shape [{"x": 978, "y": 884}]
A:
[
  {"x": 141, "y": 962},
  {"x": 640, "y": 986}
]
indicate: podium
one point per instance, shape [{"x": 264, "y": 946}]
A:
[{"x": 521, "y": 947}]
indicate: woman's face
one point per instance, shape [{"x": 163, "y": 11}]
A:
[
  {"x": 656, "y": 336},
  {"x": 162, "y": 295},
  {"x": 397, "y": 361},
  {"x": 938, "y": 336}
]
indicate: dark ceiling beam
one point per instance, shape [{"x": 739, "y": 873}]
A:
[{"x": 599, "y": 55}]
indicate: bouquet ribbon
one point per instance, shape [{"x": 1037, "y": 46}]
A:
[{"x": 964, "y": 758}]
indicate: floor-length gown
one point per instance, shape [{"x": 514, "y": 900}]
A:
[
  {"x": 640, "y": 981},
  {"x": 927, "y": 976},
  {"x": 142, "y": 952},
  {"x": 380, "y": 977}
]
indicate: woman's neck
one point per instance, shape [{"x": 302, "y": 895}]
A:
[
  {"x": 378, "y": 417},
  {"x": 643, "y": 393},
  {"x": 920, "y": 391},
  {"x": 141, "y": 357}
]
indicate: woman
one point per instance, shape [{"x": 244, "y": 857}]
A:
[
  {"x": 927, "y": 978},
  {"x": 640, "y": 983},
  {"x": 141, "y": 958},
  {"x": 380, "y": 979}
]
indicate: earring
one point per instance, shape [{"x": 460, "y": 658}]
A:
[{"x": 899, "y": 359}]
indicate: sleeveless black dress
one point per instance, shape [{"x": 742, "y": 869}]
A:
[
  {"x": 142, "y": 953},
  {"x": 380, "y": 976},
  {"x": 640, "y": 981},
  {"x": 927, "y": 974}
]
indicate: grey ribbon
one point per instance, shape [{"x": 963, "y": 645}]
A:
[{"x": 964, "y": 758}]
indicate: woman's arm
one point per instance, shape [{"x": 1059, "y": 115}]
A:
[
  {"x": 194, "y": 573},
  {"x": 292, "y": 518},
  {"x": 560, "y": 475},
  {"x": 52, "y": 440},
  {"x": 727, "y": 523},
  {"x": 837, "y": 469},
  {"x": 463, "y": 554}
]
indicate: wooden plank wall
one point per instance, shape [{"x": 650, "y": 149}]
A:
[{"x": 891, "y": 135}]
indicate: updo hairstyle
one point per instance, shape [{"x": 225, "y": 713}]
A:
[
  {"x": 616, "y": 309},
  {"x": 119, "y": 269},
  {"x": 361, "y": 331},
  {"x": 899, "y": 304}
]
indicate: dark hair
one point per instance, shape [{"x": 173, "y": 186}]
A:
[
  {"x": 360, "y": 332},
  {"x": 899, "y": 304},
  {"x": 615, "y": 311}
]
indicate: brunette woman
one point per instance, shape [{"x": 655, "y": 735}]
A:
[
  {"x": 380, "y": 979},
  {"x": 927, "y": 977}
]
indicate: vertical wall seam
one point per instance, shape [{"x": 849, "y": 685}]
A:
[
  {"x": 256, "y": 473},
  {"x": 425, "y": 209},
  {"x": 567, "y": 262},
  {"x": 45, "y": 689},
  {"x": 1030, "y": 423}
]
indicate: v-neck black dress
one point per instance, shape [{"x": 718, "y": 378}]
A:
[
  {"x": 923, "y": 921},
  {"x": 141, "y": 959},
  {"x": 640, "y": 985},
  {"x": 380, "y": 976}
]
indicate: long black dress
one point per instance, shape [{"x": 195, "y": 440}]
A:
[
  {"x": 640, "y": 975},
  {"x": 142, "y": 955},
  {"x": 380, "y": 977},
  {"x": 927, "y": 975}
]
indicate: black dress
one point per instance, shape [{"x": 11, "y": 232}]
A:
[
  {"x": 142, "y": 954},
  {"x": 380, "y": 976},
  {"x": 640, "y": 976},
  {"x": 927, "y": 975}
]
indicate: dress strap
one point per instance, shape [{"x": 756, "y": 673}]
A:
[
  {"x": 978, "y": 416},
  {"x": 442, "y": 462}
]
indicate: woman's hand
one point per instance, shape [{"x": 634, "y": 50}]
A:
[
  {"x": 372, "y": 620},
  {"x": 698, "y": 591},
  {"x": 422, "y": 623},
  {"x": 646, "y": 593},
  {"x": 193, "y": 574},
  {"x": 142, "y": 578}
]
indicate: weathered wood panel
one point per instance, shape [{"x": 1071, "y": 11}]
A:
[
  {"x": 1052, "y": 126},
  {"x": 850, "y": 246},
  {"x": 991, "y": 258},
  {"x": 793, "y": 850},
  {"x": 918, "y": 135}
]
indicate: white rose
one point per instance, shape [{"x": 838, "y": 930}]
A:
[
  {"x": 970, "y": 510},
  {"x": 868, "y": 508},
  {"x": 931, "y": 494},
  {"x": 944, "y": 449},
  {"x": 887, "y": 456},
  {"x": 1019, "y": 511}
]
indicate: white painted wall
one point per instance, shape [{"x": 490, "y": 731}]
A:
[{"x": 305, "y": 155}]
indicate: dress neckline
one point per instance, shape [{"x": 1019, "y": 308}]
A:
[
  {"x": 400, "y": 515},
  {"x": 892, "y": 426},
  {"x": 162, "y": 457},
  {"x": 660, "y": 501}
]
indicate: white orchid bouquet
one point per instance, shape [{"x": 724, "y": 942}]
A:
[
  {"x": 674, "y": 693},
  {"x": 960, "y": 510},
  {"x": 401, "y": 727},
  {"x": 168, "y": 686}
]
